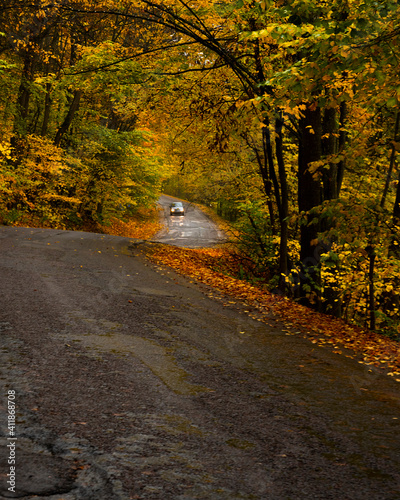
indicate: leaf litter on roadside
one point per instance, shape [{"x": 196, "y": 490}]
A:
[{"x": 207, "y": 265}]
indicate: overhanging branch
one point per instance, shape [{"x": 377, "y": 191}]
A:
[{"x": 197, "y": 32}]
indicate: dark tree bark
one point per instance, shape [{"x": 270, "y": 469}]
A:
[
  {"x": 342, "y": 142},
  {"x": 74, "y": 106},
  {"x": 330, "y": 147},
  {"x": 269, "y": 168},
  {"x": 392, "y": 160},
  {"x": 284, "y": 211},
  {"x": 394, "y": 247},
  {"x": 264, "y": 172},
  {"x": 332, "y": 303},
  {"x": 371, "y": 288},
  {"x": 309, "y": 196},
  {"x": 46, "y": 111},
  {"x": 22, "y": 106}
]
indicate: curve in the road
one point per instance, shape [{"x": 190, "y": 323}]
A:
[{"x": 192, "y": 230}]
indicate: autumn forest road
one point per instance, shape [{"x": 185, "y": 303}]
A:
[
  {"x": 192, "y": 230},
  {"x": 129, "y": 382}
]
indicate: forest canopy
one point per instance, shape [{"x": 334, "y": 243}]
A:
[{"x": 283, "y": 116}]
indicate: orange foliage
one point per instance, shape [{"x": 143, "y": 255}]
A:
[
  {"x": 143, "y": 226},
  {"x": 369, "y": 347},
  {"x": 133, "y": 228}
]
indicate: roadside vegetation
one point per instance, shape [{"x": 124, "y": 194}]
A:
[
  {"x": 217, "y": 268},
  {"x": 143, "y": 224},
  {"x": 282, "y": 117}
]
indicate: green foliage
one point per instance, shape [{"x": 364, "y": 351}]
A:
[
  {"x": 256, "y": 241},
  {"x": 107, "y": 173},
  {"x": 10, "y": 217}
]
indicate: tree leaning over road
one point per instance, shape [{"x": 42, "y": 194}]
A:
[{"x": 304, "y": 67}]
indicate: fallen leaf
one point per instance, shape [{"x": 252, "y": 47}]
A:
[{"x": 216, "y": 267}]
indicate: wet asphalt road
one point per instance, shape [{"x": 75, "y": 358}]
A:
[
  {"x": 192, "y": 230},
  {"x": 131, "y": 382}
]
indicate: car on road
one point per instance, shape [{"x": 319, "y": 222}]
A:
[{"x": 176, "y": 208}]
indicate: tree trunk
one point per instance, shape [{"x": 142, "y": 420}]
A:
[
  {"x": 371, "y": 288},
  {"x": 68, "y": 119},
  {"x": 332, "y": 303},
  {"x": 342, "y": 143},
  {"x": 267, "y": 183},
  {"x": 269, "y": 161},
  {"x": 47, "y": 109},
  {"x": 309, "y": 196},
  {"x": 394, "y": 247},
  {"x": 22, "y": 106},
  {"x": 330, "y": 147},
  {"x": 392, "y": 160},
  {"x": 284, "y": 213}
]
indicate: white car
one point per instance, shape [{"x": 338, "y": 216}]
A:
[{"x": 176, "y": 208}]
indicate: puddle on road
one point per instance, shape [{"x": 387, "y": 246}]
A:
[
  {"x": 150, "y": 353},
  {"x": 178, "y": 425}
]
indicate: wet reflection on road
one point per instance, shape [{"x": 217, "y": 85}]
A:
[{"x": 194, "y": 229}]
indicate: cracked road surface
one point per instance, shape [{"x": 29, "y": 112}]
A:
[
  {"x": 131, "y": 383},
  {"x": 194, "y": 229}
]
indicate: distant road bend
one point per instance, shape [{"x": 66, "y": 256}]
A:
[{"x": 193, "y": 230}]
